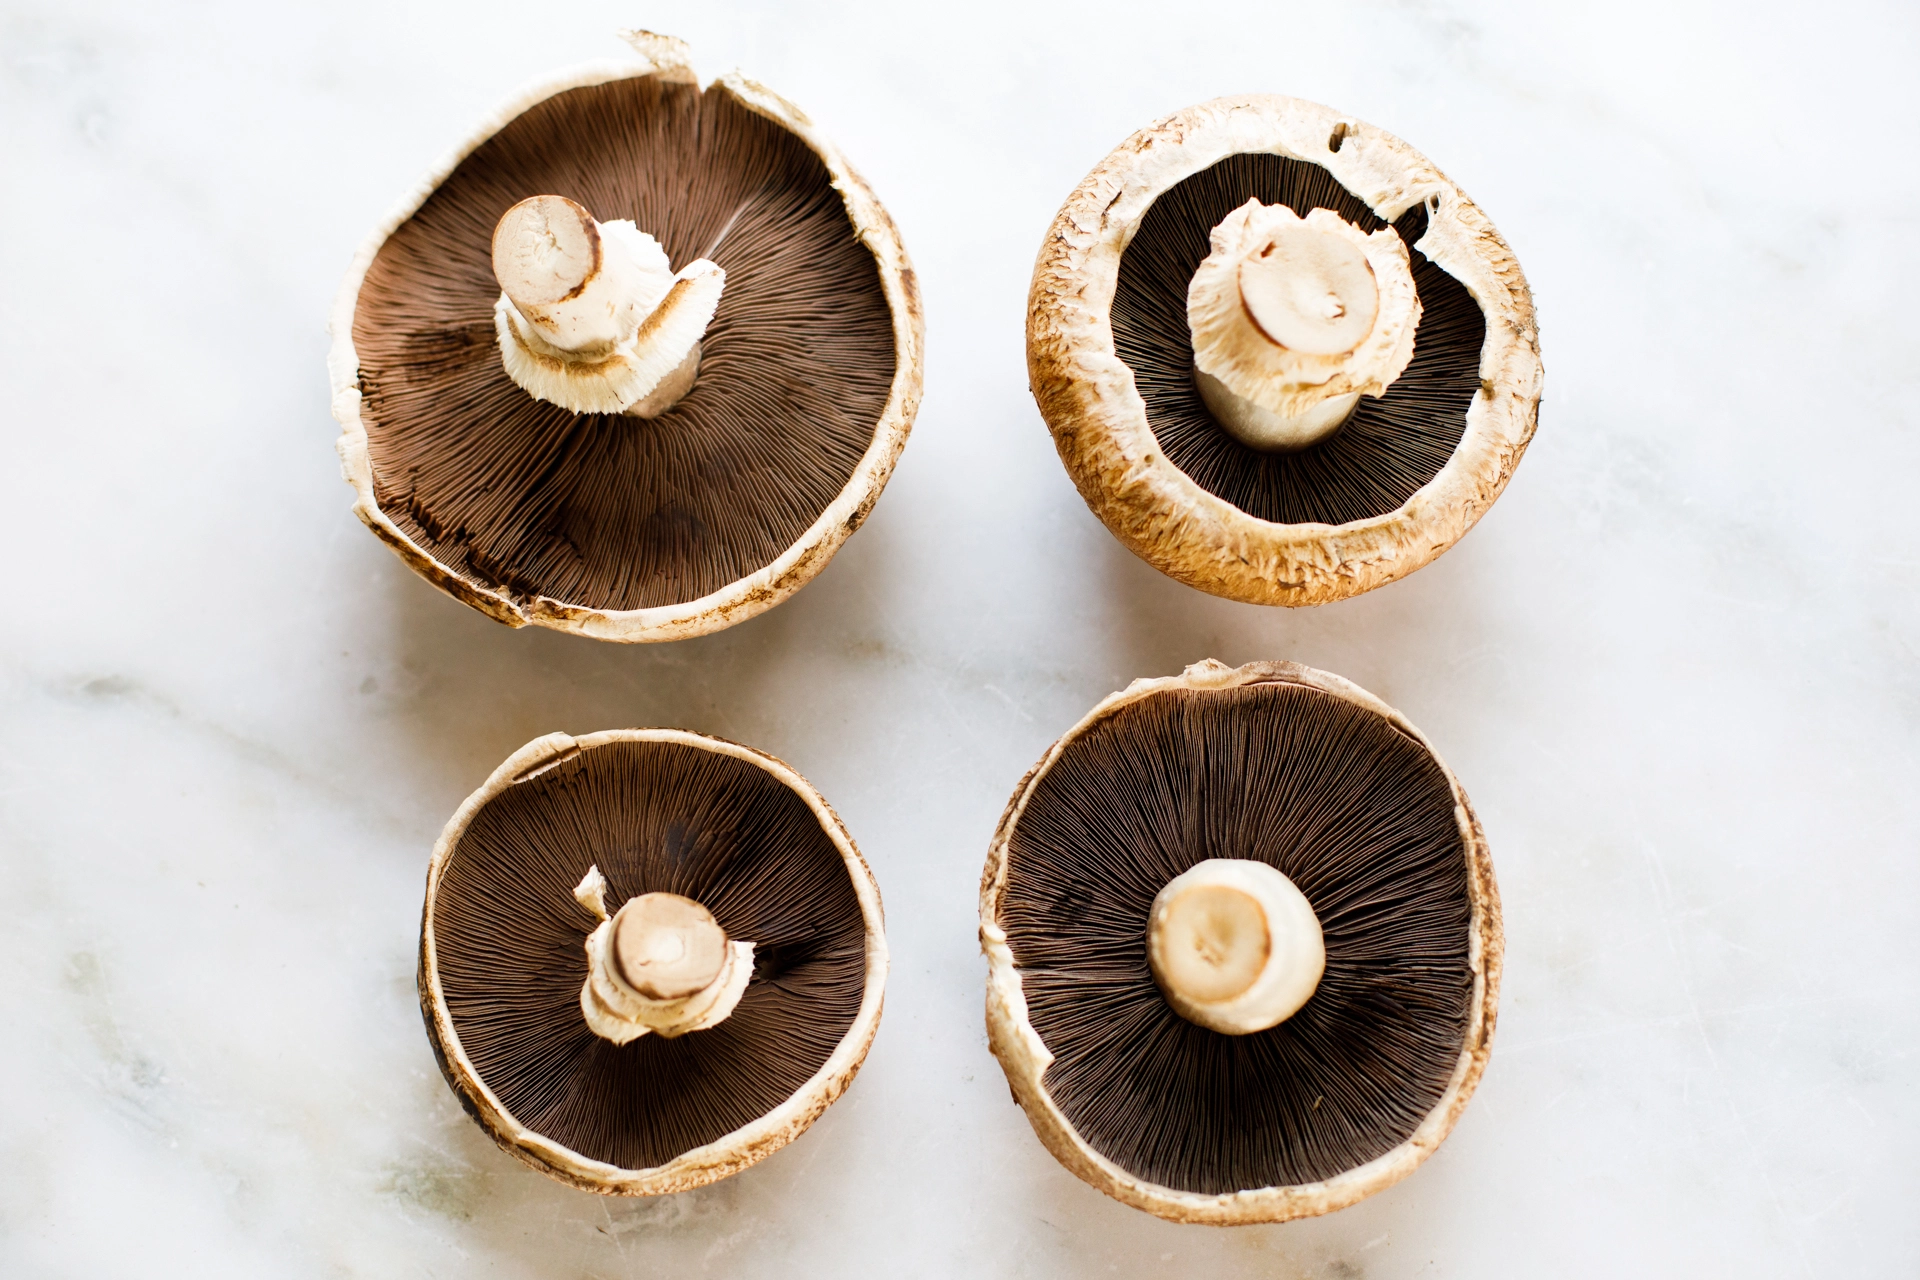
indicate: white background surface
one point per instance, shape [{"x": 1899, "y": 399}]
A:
[{"x": 1677, "y": 667}]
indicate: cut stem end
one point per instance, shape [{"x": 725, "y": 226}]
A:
[
  {"x": 591, "y": 315},
  {"x": 661, "y": 964},
  {"x": 1235, "y": 946},
  {"x": 1294, "y": 319}
]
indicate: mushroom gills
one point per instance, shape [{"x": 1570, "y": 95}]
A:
[
  {"x": 660, "y": 964},
  {"x": 591, "y": 315},
  {"x": 1235, "y": 946}
]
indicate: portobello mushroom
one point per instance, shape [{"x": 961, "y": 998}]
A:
[
  {"x": 634, "y": 361},
  {"x": 1243, "y": 945},
  {"x": 648, "y": 958},
  {"x": 1283, "y": 357}
]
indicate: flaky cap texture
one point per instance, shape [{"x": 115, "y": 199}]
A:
[
  {"x": 1093, "y": 400},
  {"x": 711, "y": 559},
  {"x": 1413, "y": 945},
  {"x": 503, "y": 954}
]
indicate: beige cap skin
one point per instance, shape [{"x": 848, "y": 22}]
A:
[
  {"x": 669, "y": 59},
  {"x": 1025, "y": 1058},
  {"x": 1087, "y": 394},
  {"x": 744, "y": 1146}
]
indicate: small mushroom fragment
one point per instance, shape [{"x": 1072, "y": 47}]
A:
[
  {"x": 634, "y": 362},
  {"x": 1283, "y": 357},
  {"x": 1243, "y": 945},
  {"x": 708, "y": 1018}
]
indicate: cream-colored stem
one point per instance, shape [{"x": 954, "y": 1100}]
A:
[
  {"x": 1293, "y": 319},
  {"x": 661, "y": 965},
  {"x": 1307, "y": 291},
  {"x": 1235, "y": 946},
  {"x": 592, "y": 317},
  {"x": 1261, "y": 428},
  {"x": 666, "y": 947},
  {"x": 563, "y": 275}
]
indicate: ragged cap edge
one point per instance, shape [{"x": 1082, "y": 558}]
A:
[
  {"x": 668, "y": 57},
  {"x": 794, "y": 567},
  {"x": 1099, "y": 420},
  {"x": 726, "y": 1155},
  {"x": 1025, "y": 1058}
]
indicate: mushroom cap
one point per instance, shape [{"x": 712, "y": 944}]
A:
[
  {"x": 502, "y": 957},
  {"x": 1107, "y": 350},
  {"x": 620, "y": 528},
  {"x": 1279, "y": 763}
]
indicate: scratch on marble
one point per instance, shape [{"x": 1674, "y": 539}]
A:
[
  {"x": 664, "y": 1215},
  {"x": 449, "y": 1188},
  {"x": 1663, "y": 893},
  {"x": 116, "y": 688},
  {"x": 1018, "y": 710},
  {"x": 132, "y": 1079}
]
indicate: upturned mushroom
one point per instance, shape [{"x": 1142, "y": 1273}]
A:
[
  {"x": 634, "y": 361},
  {"x": 648, "y": 958},
  {"x": 1283, "y": 357},
  {"x": 1243, "y": 945}
]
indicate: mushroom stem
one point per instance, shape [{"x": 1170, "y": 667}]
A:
[
  {"x": 591, "y": 316},
  {"x": 1261, "y": 428},
  {"x": 1235, "y": 946},
  {"x": 660, "y": 964},
  {"x": 1294, "y": 319}
]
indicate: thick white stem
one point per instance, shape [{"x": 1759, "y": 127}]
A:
[
  {"x": 591, "y": 315},
  {"x": 1235, "y": 946},
  {"x": 1261, "y": 428},
  {"x": 1294, "y": 319},
  {"x": 660, "y": 965}
]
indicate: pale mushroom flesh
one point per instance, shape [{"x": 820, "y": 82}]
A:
[
  {"x": 1235, "y": 945},
  {"x": 591, "y": 315},
  {"x": 661, "y": 965},
  {"x": 1293, "y": 319}
]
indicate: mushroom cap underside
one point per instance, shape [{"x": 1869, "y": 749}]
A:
[
  {"x": 612, "y": 526},
  {"x": 503, "y": 957},
  {"x": 1110, "y": 360},
  {"x": 1300, "y": 770},
  {"x": 1390, "y": 446}
]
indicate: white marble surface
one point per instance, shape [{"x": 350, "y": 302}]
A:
[{"x": 1675, "y": 667}]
